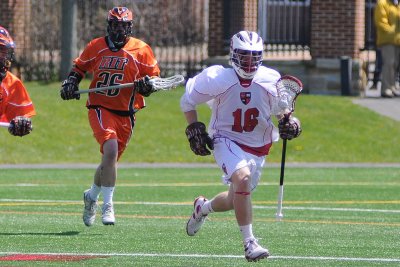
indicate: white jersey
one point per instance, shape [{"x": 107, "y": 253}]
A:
[{"x": 241, "y": 114}]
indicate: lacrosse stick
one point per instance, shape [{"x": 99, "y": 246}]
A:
[
  {"x": 288, "y": 88},
  {"x": 4, "y": 124},
  {"x": 159, "y": 84}
]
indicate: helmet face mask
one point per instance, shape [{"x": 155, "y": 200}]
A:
[
  {"x": 248, "y": 61},
  {"x": 7, "y": 47},
  {"x": 6, "y": 57},
  {"x": 119, "y": 25},
  {"x": 119, "y": 32},
  {"x": 246, "y": 54}
]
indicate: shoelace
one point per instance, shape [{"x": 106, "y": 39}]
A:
[
  {"x": 93, "y": 208},
  {"x": 107, "y": 210},
  {"x": 201, "y": 218},
  {"x": 251, "y": 242},
  {"x": 92, "y": 205}
]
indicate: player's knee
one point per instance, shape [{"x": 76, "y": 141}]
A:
[
  {"x": 110, "y": 150},
  {"x": 241, "y": 179},
  {"x": 242, "y": 173}
]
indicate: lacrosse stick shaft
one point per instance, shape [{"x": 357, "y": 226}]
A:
[
  {"x": 4, "y": 124},
  {"x": 279, "y": 214},
  {"x": 288, "y": 88},
  {"x": 283, "y": 162},
  {"x": 119, "y": 86},
  {"x": 158, "y": 84}
]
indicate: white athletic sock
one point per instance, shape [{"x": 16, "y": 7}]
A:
[
  {"x": 247, "y": 232},
  {"x": 207, "y": 208},
  {"x": 94, "y": 192},
  {"x": 107, "y": 194}
]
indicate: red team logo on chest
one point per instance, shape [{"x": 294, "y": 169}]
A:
[{"x": 245, "y": 97}]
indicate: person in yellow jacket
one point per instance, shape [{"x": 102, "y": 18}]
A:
[{"x": 387, "y": 23}]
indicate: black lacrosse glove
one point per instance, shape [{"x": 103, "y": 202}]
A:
[
  {"x": 289, "y": 128},
  {"x": 144, "y": 87},
  {"x": 199, "y": 139},
  {"x": 70, "y": 86},
  {"x": 20, "y": 126}
]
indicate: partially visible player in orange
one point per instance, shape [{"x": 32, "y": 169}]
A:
[
  {"x": 16, "y": 106},
  {"x": 114, "y": 59}
]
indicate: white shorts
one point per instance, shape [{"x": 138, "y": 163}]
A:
[{"x": 230, "y": 157}]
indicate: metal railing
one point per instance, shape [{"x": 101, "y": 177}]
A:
[
  {"x": 178, "y": 33},
  {"x": 369, "y": 41},
  {"x": 285, "y": 26},
  {"x": 177, "y": 30}
]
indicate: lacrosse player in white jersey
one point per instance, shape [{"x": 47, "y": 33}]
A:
[{"x": 241, "y": 131}]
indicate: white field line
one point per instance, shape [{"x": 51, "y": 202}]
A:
[
  {"x": 204, "y": 184},
  {"x": 72, "y": 202},
  {"x": 329, "y": 209},
  {"x": 320, "y": 258},
  {"x": 141, "y": 165}
]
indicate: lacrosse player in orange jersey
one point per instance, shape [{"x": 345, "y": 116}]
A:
[
  {"x": 114, "y": 59},
  {"x": 16, "y": 106}
]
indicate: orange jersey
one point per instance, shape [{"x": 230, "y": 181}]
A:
[
  {"x": 14, "y": 99},
  {"x": 133, "y": 61}
]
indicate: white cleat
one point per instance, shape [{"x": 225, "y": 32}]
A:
[
  {"x": 253, "y": 251},
  {"x": 197, "y": 219},
  {"x": 107, "y": 216},
  {"x": 89, "y": 212}
]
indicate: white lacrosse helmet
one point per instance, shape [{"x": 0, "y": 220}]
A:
[{"x": 246, "y": 53}]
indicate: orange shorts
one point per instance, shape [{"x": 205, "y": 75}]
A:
[{"x": 107, "y": 125}]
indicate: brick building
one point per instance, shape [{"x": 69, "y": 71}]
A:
[{"x": 337, "y": 31}]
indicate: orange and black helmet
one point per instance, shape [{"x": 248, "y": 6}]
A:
[
  {"x": 7, "y": 47},
  {"x": 120, "y": 14},
  {"x": 119, "y": 27}
]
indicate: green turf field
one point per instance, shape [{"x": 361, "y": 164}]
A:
[
  {"x": 332, "y": 217},
  {"x": 334, "y": 130}
]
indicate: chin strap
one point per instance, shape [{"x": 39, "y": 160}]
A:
[
  {"x": 2, "y": 74},
  {"x": 111, "y": 45},
  {"x": 4, "y": 68},
  {"x": 245, "y": 82}
]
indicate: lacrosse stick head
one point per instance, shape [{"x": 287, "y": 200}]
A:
[
  {"x": 288, "y": 88},
  {"x": 166, "y": 83}
]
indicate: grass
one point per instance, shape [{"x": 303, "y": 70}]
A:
[
  {"x": 334, "y": 130},
  {"x": 333, "y": 217}
]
